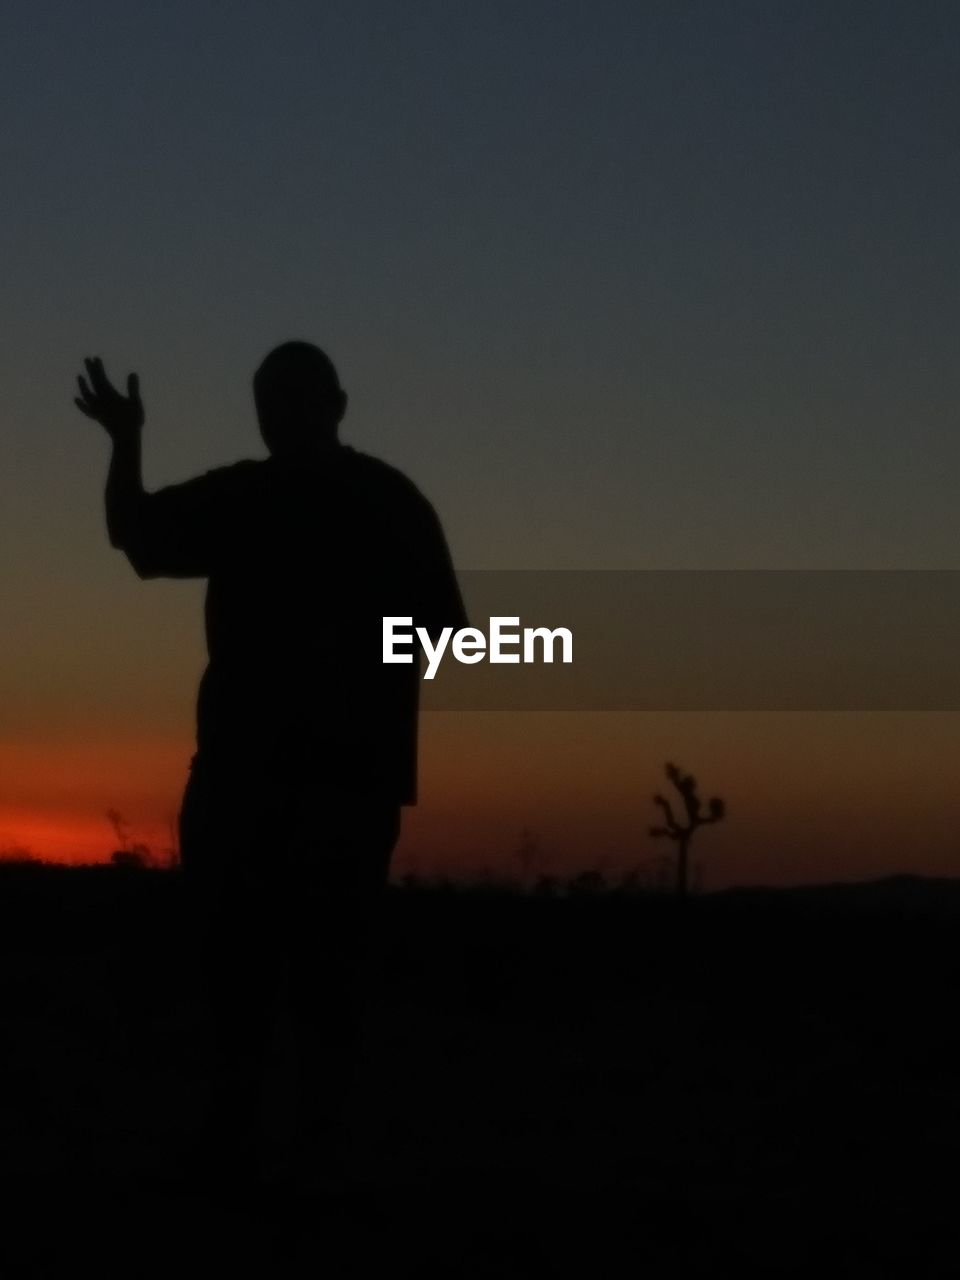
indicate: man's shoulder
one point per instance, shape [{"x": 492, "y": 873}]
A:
[
  {"x": 386, "y": 480},
  {"x": 214, "y": 486},
  {"x": 358, "y": 477},
  {"x": 243, "y": 469},
  {"x": 234, "y": 481}
]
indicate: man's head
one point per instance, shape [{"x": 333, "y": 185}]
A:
[{"x": 299, "y": 399}]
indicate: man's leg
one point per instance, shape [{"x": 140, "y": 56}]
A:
[
  {"x": 223, "y": 825},
  {"x": 343, "y": 873}
]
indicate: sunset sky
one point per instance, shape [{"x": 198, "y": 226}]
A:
[{"x": 619, "y": 285}]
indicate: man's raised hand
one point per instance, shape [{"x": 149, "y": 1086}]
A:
[{"x": 119, "y": 415}]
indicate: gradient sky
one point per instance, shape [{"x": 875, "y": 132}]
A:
[{"x": 619, "y": 285}]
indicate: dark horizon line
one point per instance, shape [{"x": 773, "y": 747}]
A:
[{"x": 587, "y": 881}]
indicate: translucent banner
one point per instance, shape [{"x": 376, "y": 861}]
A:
[{"x": 711, "y": 640}]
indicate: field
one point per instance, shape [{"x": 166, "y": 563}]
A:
[{"x": 761, "y": 1081}]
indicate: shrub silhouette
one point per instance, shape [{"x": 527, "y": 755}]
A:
[
  {"x": 132, "y": 859},
  {"x": 126, "y": 854},
  {"x": 587, "y": 883},
  {"x": 681, "y": 832}
]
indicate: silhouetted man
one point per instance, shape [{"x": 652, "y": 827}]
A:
[{"x": 306, "y": 740}]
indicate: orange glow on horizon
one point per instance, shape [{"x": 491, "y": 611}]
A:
[
  {"x": 811, "y": 797},
  {"x": 57, "y": 794},
  {"x": 75, "y": 838}
]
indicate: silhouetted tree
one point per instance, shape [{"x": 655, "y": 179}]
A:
[
  {"x": 126, "y": 854},
  {"x": 116, "y": 820},
  {"x": 682, "y": 831}
]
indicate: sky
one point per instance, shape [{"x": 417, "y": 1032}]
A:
[{"x": 671, "y": 285}]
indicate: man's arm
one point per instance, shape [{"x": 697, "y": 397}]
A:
[
  {"x": 172, "y": 532},
  {"x": 125, "y": 495},
  {"x": 122, "y": 418}
]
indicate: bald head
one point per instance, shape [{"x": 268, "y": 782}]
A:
[{"x": 299, "y": 400}]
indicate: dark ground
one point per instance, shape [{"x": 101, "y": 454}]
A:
[{"x": 764, "y": 1083}]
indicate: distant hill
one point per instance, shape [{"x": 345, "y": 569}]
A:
[
  {"x": 922, "y": 895},
  {"x": 901, "y": 893}
]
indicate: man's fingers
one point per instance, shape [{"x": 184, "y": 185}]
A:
[
  {"x": 90, "y": 400},
  {"x": 100, "y": 400},
  {"x": 97, "y": 375}
]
